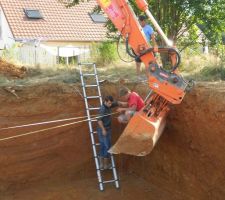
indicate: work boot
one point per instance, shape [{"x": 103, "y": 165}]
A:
[
  {"x": 101, "y": 162},
  {"x": 107, "y": 163}
]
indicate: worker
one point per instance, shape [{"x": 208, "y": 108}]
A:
[
  {"x": 131, "y": 103},
  {"x": 150, "y": 36},
  {"x": 104, "y": 131}
]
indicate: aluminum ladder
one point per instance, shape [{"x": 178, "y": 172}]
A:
[{"x": 93, "y": 75}]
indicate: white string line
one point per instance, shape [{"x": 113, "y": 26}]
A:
[
  {"x": 46, "y": 122},
  {"x": 51, "y": 128}
]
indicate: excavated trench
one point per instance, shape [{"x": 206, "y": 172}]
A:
[{"x": 187, "y": 163}]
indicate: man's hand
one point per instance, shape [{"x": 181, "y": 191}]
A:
[
  {"x": 104, "y": 132},
  {"x": 122, "y": 104},
  {"x": 120, "y": 110},
  {"x": 155, "y": 49}
]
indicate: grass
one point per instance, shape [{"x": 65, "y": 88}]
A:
[
  {"x": 203, "y": 68},
  {"x": 199, "y": 68}
]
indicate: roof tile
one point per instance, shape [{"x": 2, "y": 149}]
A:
[{"x": 59, "y": 23}]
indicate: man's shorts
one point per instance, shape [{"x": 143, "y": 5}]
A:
[{"x": 138, "y": 60}]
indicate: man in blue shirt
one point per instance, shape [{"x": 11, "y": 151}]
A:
[{"x": 149, "y": 34}]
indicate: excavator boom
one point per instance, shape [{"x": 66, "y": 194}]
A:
[{"x": 167, "y": 87}]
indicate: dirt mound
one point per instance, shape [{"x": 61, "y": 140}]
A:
[
  {"x": 11, "y": 71},
  {"x": 187, "y": 163}
]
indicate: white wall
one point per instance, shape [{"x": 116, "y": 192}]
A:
[
  {"x": 44, "y": 55},
  {"x": 7, "y": 37},
  {"x": 34, "y": 56}
]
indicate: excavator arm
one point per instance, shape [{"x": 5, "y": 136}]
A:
[{"x": 166, "y": 86}]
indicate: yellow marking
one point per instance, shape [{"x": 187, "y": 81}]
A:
[{"x": 105, "y": 3}]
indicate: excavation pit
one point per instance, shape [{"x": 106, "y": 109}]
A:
[{"x": 187, "y": 163}]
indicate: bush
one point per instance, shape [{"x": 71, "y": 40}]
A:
[
  {"x": 105, "y": 52},
  {"x": 203, "y": 67},
  {"x": 213, "y": 73}
]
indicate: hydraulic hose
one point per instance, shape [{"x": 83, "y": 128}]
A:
[
  {"x": 165, "y": 49},
  {"x": 161, "y": 49},
  {"x": 128, "y": 50}
]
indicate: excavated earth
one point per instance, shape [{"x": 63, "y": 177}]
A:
[{"x": 188, "y": 162}]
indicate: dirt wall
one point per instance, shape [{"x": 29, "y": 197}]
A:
[
  {"x": 46, "y": 154},
  {"x": 188, "y": 161}
]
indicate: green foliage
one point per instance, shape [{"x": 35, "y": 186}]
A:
[
  {"x": 177, "y": 17},
  {"x": 213, "y": 73},
  {"x": 202, "y": 67},
  {"x": 105, "y": 52},
  {"x": 11, "y": 53}
]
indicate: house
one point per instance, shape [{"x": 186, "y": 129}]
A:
[{"x": 47, "y": 31}]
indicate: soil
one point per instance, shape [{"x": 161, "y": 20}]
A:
[
  {"x": 11, "y": 71},
  {"x": 187, "y": 163}
]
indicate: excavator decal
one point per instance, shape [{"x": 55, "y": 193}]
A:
[
  {"x": 105, "y": 3},
  {"x": 167, "y": 87}
]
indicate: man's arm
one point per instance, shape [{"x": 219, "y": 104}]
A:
[
  {"x": 99, "y": 119},
  {"x": 154, "y": 42},
  {"x": 100, "y": 123},
  {"x": 132, "y": 108},
  {"x": 122, "y": 104}
]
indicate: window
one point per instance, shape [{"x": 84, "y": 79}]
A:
[
  {"x": 98, "y": 17},
  {"x": 68, "y": 60},
  {"x": 33, "y": 14}
]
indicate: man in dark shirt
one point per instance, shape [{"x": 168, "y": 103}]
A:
[{"x": 104, "y": 131}]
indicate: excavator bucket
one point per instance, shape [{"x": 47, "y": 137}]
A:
[{"x": 140, "y": 135}]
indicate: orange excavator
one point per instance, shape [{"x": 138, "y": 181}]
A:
[{"x": 167, "y": 87}]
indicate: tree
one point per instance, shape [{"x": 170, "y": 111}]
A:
[{"x": 177, "y": 17}]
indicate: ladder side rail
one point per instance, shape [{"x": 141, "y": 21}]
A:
[
  {"x": 114, "y": 171},
  {"x": 96, "y": 77},
  {"x": 92, "y": 137},
  {"x": 115, "y": 176}
]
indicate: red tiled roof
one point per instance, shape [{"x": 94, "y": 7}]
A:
[{"x": 59, "y": 23}]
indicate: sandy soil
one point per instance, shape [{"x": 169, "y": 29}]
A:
[
  {"x": 187, "y": 163},
  {"x": 11, "y": 71},
  {"x": 132, "y": 188},
  {"x": 189, "y": 156}
]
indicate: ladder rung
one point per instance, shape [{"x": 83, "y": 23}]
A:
[
  {"x": 97, "y": 108},
  {"x": 92, "y": 97},
  {"x": 88, "y": 74},
  {"x": 107, "y": 168},
  {"x": 110, "y": 181},
  {"x": 86, "y": 63},
  {"x": 93, "y": 120},
  {"x": 91, "y": 86}
]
